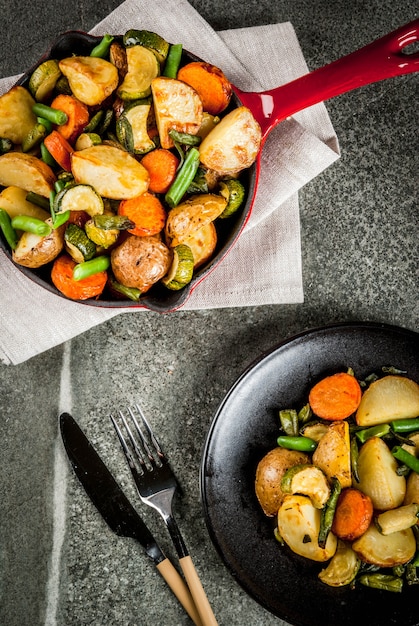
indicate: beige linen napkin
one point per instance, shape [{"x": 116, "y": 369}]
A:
[{"x": 264, "y": 267}]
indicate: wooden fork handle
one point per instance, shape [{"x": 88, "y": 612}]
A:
[
  {"x": 179, "y": 588},
  {"x": 197, "y": 591}
]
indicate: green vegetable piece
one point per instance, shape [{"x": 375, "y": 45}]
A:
[
  {"x": 375, "y": 431},
  {"x": 53, "y": 115},
  {"x": 233, "y": 191},
  {"x": 102, "y": 49},
  {"x": 47, "y": 157},
  {"x": 289, "y": 421},
  {"x": 405, "y": 425},
  {"x": 199, "y": 183},
  {"x": 386, "y": 582},
  {"x": 31, "y": 225},
  {"x": 181, "y": 271},
  {"x": 173, "y": 60},
  {"x": 80, "y": 246},
  {"x": 34, "y": 137},
  {"x": 44, "y": 79},
  {"x": 37, "y": 199},
  {"x": 305, "y": 414},
  {"x": 186, "y": 138},
  {"x": 412, "y": 577},
  {"x": 300, "y": 443},
  {"x": 7, "y": 229},
  {"x": 88, "y": 268},
  {"x": 406, "y": 458},
  {"x": 5, "y": 145},
  {"x": 61, "y": 219},
  {"x": 111, "y": 222},
  {"x": 45, "y": 122},
  {"x": 127, "y": 292},
  {"x": 354, "y": 459},
  {"x": 328, "y": 513},
  {"x": 154, "y": 42},
  {"x": 183, "y": 179}
]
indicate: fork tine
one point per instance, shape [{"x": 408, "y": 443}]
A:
[{"x": 149, "y": 430}]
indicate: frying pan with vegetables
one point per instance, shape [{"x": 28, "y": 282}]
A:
[{"x": 384, "y": 58}]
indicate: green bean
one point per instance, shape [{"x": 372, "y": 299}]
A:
[
  {"x": 7, "y": 229},
  {"x": 382, "y": 581},
  {"x": 31, "y": 224},
  {"x": 53, "y": 115},
  {"x": 59, "y": 185},
  {"x": 305, "y": 414},
  {"x": 88, "y": 268},
  {"x": 60, "y": 219},
  {"x": 5, "y": 145},
  {"x": 173, "y": 60},
  {"x": 45, "y": 123},
  {"x": 183, "y": 179},
  {"x": 406, "y": 458},
  {"x": 354, "y": 459},
  {"x": 37, "y": 199},
  {"x": 300, "y": 443},
  {"x": 289, "y": 421},
  {"x": 47, "y": 156},
  {"x": 328, "y": 513},
  {"x": 52, "y": 195},
  {"x": 186, "y": 138},
  {"x": 405, "y": 425},
  {"x": 128, "y": 292},
  {"x": 374, "y": 431},
  {"x": 102, "y": 48}
]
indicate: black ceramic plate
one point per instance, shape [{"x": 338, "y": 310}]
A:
[{"x": 245, "y": 428}]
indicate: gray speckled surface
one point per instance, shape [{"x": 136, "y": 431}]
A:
[{"x": 359, "y": 223}]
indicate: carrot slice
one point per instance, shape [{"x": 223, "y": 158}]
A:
[
  {"x": 62, "y": 277},
  {"x": 353, "y": 515},
  {"x": 147, "y": 213},
  {"x": 211, "y": 84},
  {"x": 335, "y": 397},
  {"x": 77, "y": 114},
  {"x": 59, "y": 149},
  {"x": 161, "y": 165}
]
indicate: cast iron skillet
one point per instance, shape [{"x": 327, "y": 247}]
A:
[
  {"x": 245, "y": 428},
  {"x": 383, "y": 58}
]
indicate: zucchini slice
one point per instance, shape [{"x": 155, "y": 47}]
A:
[
  {"x": 152, "y": 41},
  {"x": 100, "y": 236},
  {"x": 342, "y": 568},
  {"x": 233, "y": 191},
  {"x": 78, "y": 244},
  {"x": 181, "y": 270},
  {"x": 79, "y": 198},
  {"x": 131, "y": 129},
  {"x": 143, "y": 67},
  {"x": 307, "y": 480},
  {"x": 43, "y": 80}
]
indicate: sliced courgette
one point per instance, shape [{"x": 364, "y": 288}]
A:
[
  {"x": 111, "y": 222},
  {"x": 131, "y": 129},
  {"x": 100, "y": 236},
  {"x": 43, "y": 80},
  {"x": 87, "y": 140},
  {"x": 398, "y": 519},
  {"x": 34, "y": 137},
  {"x": 342, "y": 568},
  {"x": 143, "y": 67},
  {"x": 233, "y": 191},
  {"x": 181, "y": 270},
  {"x": 152, "y": 41},
  {"x": 79, "y": 197},
  {"x": 78, "y": 244},
  {"x": 307, "y": 480}
]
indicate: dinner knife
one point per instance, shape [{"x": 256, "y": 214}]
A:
[{"x": 116, "y": 509}]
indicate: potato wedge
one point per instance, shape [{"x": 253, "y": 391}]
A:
[
  {"x": 91, "y": 79},
  {"x": 333, "y": 454},
  {"x": 389, "y": 398},
  {"x": 34, "y": 251},
  {"x": 202, "y": 244},
  {"x": 299, "y": 525},
  {"x": 378, "y": 477},
  {"x": 412, "y": 490},
  {"x": 269, "y": 473},
  {"x": 13, "y": 201},
  {"x": 16, "y": 116},
  {"x": 233, "y": 144},
  {"x": 140, "y": 261},
  {"x": 385, "y": 551},
  {"x": 187, "y": 218},
  {"x": 177, "y": 106},
  {"x": 18, "y": 169},
  {"x": 112, "y": 172}
]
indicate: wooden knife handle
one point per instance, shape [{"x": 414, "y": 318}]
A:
[
  {"x": 179, "y": 588},
  {"x": 197, "y": 591}
]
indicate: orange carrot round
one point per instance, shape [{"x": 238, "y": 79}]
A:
[
  {"x": 77, "y": 116},
  {"x": 62, "y": 277},
  {"x": 211, "y": 84},
  {"x": 147, "y": 213},
  {"x": 161, "y": 165},
  {"x": 353, "y": 515},
  {"x": 335, "y": 397},
  {"x": 59, "y": 149}
]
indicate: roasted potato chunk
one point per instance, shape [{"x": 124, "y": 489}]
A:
[
  {"x": 91, "y": 79},
  {"x": 187, "y": 218},
  {"x": 16, "y": 116},
  {"x": 18, "y": 169},
  {"x": 333, "y": 455},
  {"x": 34, "y": 251},
  {"x": 141, "y": 261}
]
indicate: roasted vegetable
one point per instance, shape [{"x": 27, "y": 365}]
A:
[
  {"x": 342, "y": 568},
  {"x": 389, "y": 398},
  {"x": 333, "y": 453},
  {"x": 16, "y": 116},
  {"x": 181, "y": 270},
  {"x": 14, "y": 201},
  {"x": 203, "y": 243},
  {"x": 143, "y": 67},
  {"x": 210, "y": 83},
  {"x": 18, "y": 169},
  {"x": 190, "y": 216},
  {"x": 36, "y": 250},
  {"x": 91, "y": 79},
  {"x": 140, "y": 262},
  {"x": 132, "y": 129},
  {"x": 385, "y": 551},
  {"x": 43, "y": 80},
  {"x": 353, "y": 515},
  {"x": 398, "y": 519},
  {"x": 78, "y": 197},
  {"x": 307, "y": 480},
  {"x": 335, "y": 397}
]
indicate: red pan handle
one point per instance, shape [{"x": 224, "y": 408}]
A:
[{"x": 383, "y": 58}]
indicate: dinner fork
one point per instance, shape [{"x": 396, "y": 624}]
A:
[{"x": 156, "y": 484}]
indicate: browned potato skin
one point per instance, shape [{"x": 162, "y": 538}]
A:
[
  {"x": 44, "y": 251},
  {"x": 140, "y": 262},
  {"x": 269, "y": 473}
]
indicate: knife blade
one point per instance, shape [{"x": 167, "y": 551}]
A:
[{"x": 116, "y": 509}]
